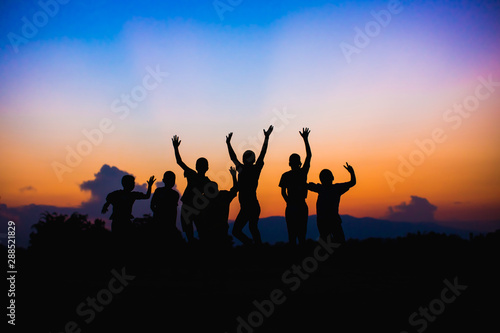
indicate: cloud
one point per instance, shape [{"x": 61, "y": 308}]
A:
[
  {"x": 417, "y": 210},
  {"x": 27, "y": 189}
]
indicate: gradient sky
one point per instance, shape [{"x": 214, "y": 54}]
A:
[{"x": 242, "y": 71}]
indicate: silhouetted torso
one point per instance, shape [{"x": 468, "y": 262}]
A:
[
  {"x": 214, "y": 224},
  {"x": 122, "y": 202},
  {"x": 328, "y": 202},
  {"x": 219, "y": 208},
  {"x": 195, "y": 182},
  {"x": 248, "y": 181},
  {"x": 295, "y": 181},
  {"x": 165, "y": 202}
]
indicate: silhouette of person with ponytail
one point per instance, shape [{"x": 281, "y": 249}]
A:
[{"x": 248, "y": 180}]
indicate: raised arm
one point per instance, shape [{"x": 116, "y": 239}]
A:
[
  {"x": 232, "y": 154},
  {"x": 305, "y": 135},
  {"x": 349, "y": 168},
  {"x": 150, "y": 185},
  {"x": 232, "y": 171},
  {"x": 176, "y": 142},
  {"x": 264, "y": 145}
]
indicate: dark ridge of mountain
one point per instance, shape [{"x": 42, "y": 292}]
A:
[{"x": 273, "y": 229}]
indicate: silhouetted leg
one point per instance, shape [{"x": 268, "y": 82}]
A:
[
  {"x": 302, "y": 216},
  {"x": 338, "y": 233},
  {"x": 238, "y": 226},
  {"x": 187, "y": 222},
  {"x": 290, "y": 224},
  {"x": 254, "y": 214},
  {"x": 322, "y": 227},
  {"x": 120, "y": 230}
]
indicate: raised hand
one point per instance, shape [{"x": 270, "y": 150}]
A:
[
  {"x": 176, "y": 141},
  {"x": 269, "y": 131},
  {"x": 232, "y": 170},
  {"x": 348, "y": 167},
  {"x": 228, "y": 137},
  {"x": 305, "y": 133},
  {"x": 151, "y": 181}
]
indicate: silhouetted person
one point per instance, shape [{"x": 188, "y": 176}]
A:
[
  {"x": 164, "y": 206},
  {"x": 196, "y": 182},
  {"x": 248, "y": 180},
  {"x": 215, "y": 216},
  {"x": 327, "y": 206},
  {"x": 293, "y": 185},
  {"x": 122, "y": 201}
]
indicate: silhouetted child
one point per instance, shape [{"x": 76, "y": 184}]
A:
[
  {"x": 327, "y": 206},
  {"x": 196, "y": 182},
  {"x": 122, "y": 201},
  {"x": 215, "y": 216},
  {"x": 248, "y": 180},
  {"x": 164, "y": 206},
  {"x": 293, "y": 185}
]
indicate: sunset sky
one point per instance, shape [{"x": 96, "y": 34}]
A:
[{"x": 386, "y": 100}]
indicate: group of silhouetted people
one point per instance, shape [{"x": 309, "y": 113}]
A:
[{"x": 206, "y": 207}]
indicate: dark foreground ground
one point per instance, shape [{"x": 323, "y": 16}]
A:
[{"x": 373, "y": 285}]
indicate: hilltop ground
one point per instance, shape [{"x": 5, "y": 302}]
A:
[{"x": 79, "y": 282}]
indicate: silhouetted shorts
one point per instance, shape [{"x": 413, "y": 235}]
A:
[
  {"x": 249, "y": 211},
  {"x": 188, "y": 216},
  {"x": 296, "y": 215},
  {"x": 331, "y": 225}
]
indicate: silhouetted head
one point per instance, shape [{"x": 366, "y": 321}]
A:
[
  {"x": 202, "y": 165},
  {"x": 169, "y": 179},
  {"x": 128, "y": 182},
  {"x": 294, "y": 161},
  {"x": 248, "y": 157},
  {"x": 326, "y": 177}
]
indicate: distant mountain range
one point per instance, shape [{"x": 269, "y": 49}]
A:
[{"x": 273, "y": 229}]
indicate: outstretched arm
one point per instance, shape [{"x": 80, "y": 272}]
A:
[
  {"x": 264, "y": 145},
  {"x": 232, "y": 154},
  {"x": 305, "y": 135},
  {"x": 353, "y": 175},
  {"x": 313, "y": 187},
  {"x": 176, "y": 143}
]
